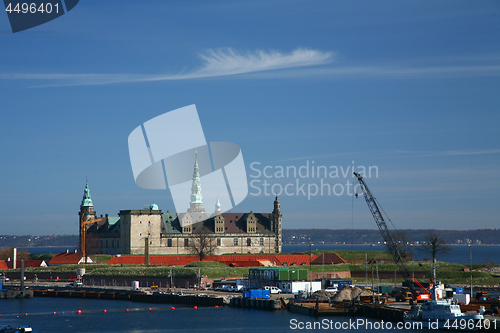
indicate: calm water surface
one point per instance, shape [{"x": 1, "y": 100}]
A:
[{"x": 160, "y": 319}]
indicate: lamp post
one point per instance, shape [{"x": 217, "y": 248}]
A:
[
  {"x": 412, "y": 261},
  {"x": 371, "y": 265},
  {"x": 366, "y": 270},
  {"x": 470, "y": 269},
  {"x": 310, "y": 271}
]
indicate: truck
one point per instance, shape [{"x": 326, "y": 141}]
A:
[{"x": 273, "y": 290}]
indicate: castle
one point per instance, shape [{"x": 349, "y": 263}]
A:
[{"x": 172, "y": 233}]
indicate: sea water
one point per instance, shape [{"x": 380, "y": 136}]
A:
[{"x": 161, "y": 318}]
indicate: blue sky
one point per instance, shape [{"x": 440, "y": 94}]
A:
[{"x": 409, "y": 87}]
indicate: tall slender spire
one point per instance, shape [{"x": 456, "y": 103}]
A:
[
  {"x": 86, "y": 201},
  {"x": 196, "y": 197},
  {"x": 217, "y": 207}
]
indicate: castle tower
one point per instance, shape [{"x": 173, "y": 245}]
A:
[
  {"x": 276, "y": 225},
  {"x": 217, "y": 208},
  {"x": 195, "y": 212},
  {"x": 86, "y": 209},
  {"x": 196, "y": 204}
]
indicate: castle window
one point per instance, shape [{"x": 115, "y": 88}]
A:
[
  {"x": 186, "y": 242},
  {"x": 169, "y": 242},
  {"x": 218, "y": 242},
  {"x": 235, "y": 241},
  {"x": 261, "y": 242},
  {"x": 249, "y": 241}
]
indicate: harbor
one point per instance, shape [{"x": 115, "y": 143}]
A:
[{"x": 383, "y": 308}]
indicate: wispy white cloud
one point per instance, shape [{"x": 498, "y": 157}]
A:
[
  {"x": 388, "y": 72},
  {"x": 473, "y": 152},
  {"x": 299, "y": 63},
  {"x": 451, "y": 152},
  {"x": 216, "y": 63}
]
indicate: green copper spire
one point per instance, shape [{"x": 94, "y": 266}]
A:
[
  {"x": 86, "y": 201},
  {"x": 196, "y": 187},
  {"x": 217, "y": 207}
]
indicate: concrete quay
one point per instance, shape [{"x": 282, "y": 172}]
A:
[{"x": 179, "y": 296}]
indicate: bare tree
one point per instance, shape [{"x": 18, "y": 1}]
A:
[
  {"x": 403, "y": 239},
  {"x": 92, "y": 244},
  {"x": 202, "y": 244},
  {"x": 6, "y": 253},
  {"x": 434, "y": 245}
]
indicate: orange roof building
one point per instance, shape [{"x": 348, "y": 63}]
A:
[
  {"x": 68, "y": 258},
  {"x": 28, "y": 263},
  {"x": 236, "y": 260}
]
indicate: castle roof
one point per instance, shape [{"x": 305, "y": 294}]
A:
[{"x": 234, "y": 223}]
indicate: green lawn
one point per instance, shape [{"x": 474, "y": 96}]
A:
[{"x": 446, "y": 272}]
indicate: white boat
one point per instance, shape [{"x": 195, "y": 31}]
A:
[{"x": 443, "y": 314}]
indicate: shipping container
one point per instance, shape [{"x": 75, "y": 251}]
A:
[
  {"x": 294, "y": 274},
  {"x": 458, "y": 290},
  {"x": 340, "y": 283},
  {"x": 293, "y": 287},
  {"x": 462, "y": 298},
  {"x": 385, "y": 289}
]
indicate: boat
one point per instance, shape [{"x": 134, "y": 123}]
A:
[
  {"x": 443, "y": 314},
  {"x": 20, "y": 329}
]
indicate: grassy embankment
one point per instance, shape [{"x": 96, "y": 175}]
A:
[{"x": 446, "y": 272}]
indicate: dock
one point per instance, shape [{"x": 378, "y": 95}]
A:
[
  {"x": 10, "y": 294},
  {"x": 200, "y": 299}
]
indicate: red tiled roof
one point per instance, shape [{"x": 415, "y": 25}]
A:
[
  {"x": 241, "y": 259},
  {"x": 330, "y": 258},
  {"x": 3, "y": 265},
  {"x": 66, "y": 258},
  {"x": 27, "y": 263},
  {"x": 154, "y": 260}
]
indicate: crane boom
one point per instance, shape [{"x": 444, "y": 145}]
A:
[
  {"x": 394, "y": 247},
  {"x": 83, "y": 232}
]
